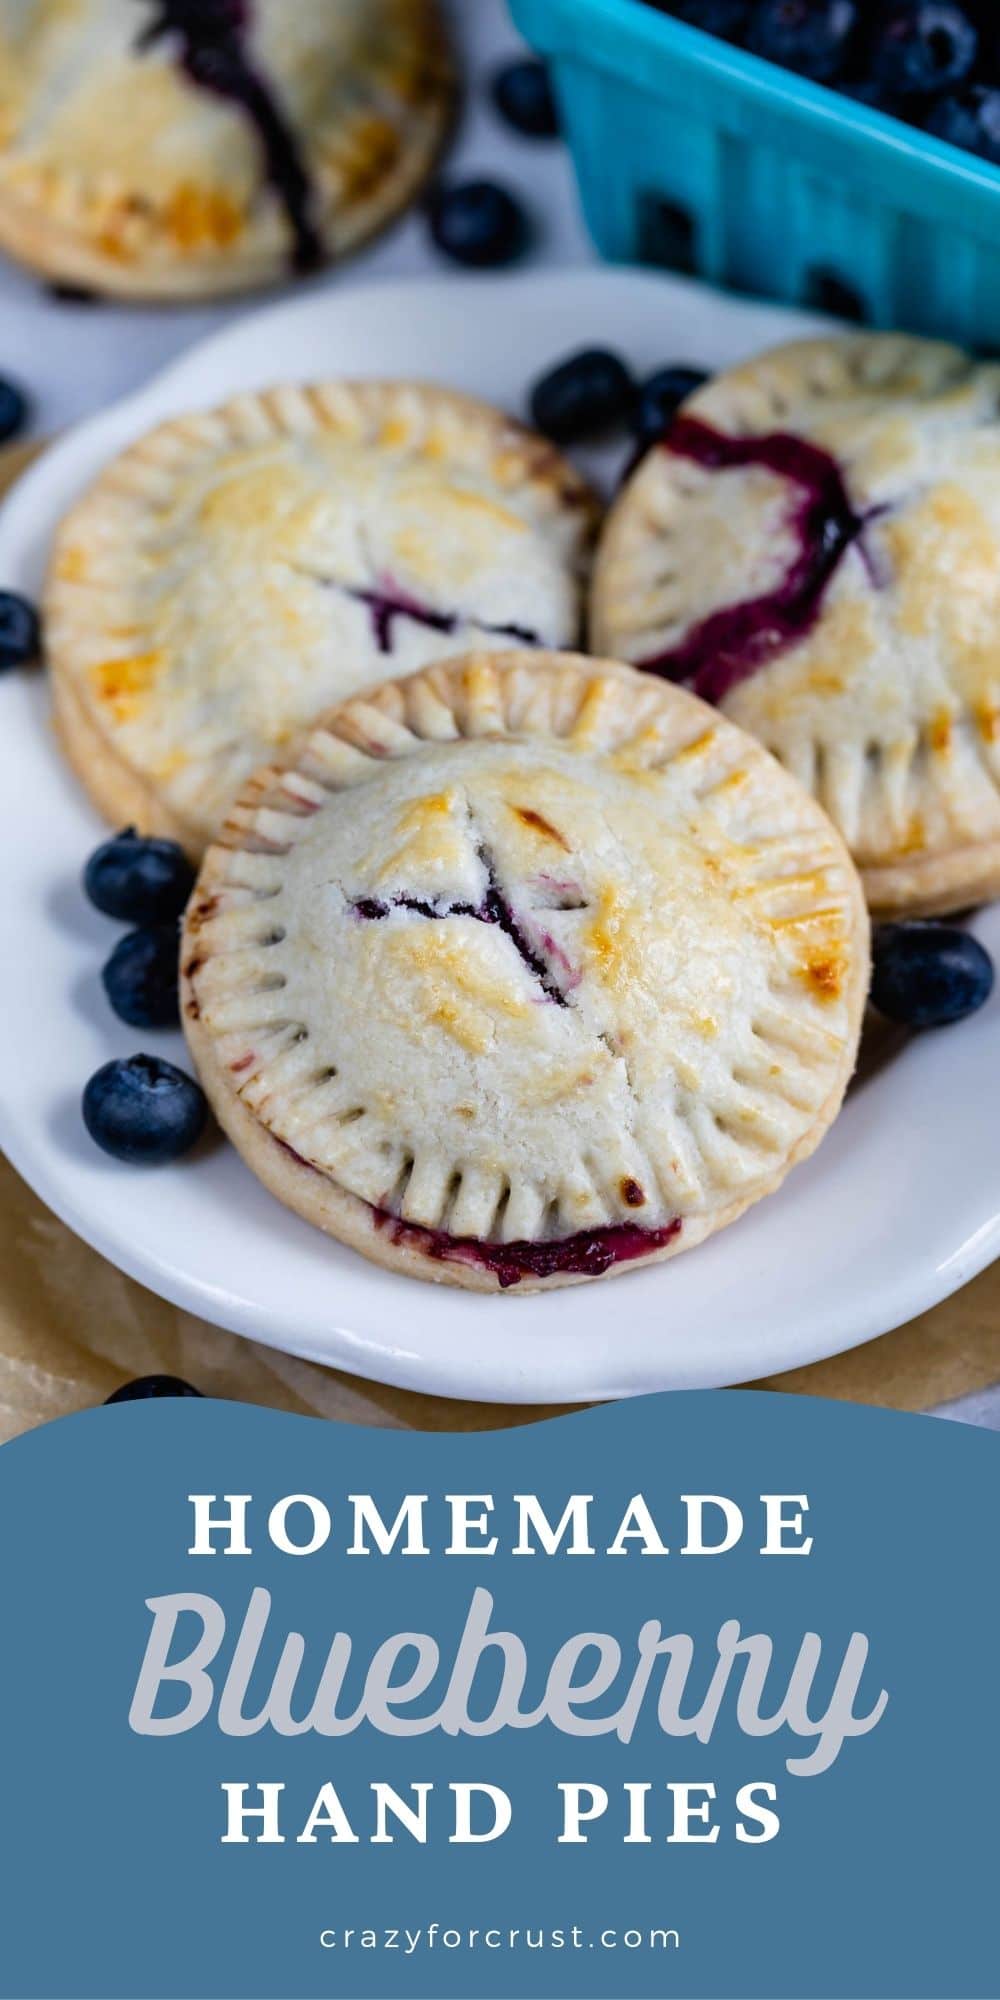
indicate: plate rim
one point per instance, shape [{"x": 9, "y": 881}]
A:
[{"x": 916, "y": 1286}]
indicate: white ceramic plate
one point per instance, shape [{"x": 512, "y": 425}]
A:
[{"x": 900, "y": 1206}]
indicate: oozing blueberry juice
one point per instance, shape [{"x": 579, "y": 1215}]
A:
[
  {"x": 730, "y": 644},
  {"x": 588, "y": 1253},
  {"x": 210, "y": 41}
]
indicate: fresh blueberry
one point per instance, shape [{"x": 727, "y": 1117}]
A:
[
  {"x": 661, "y": 397},
  {"x": 814, "y": 37},
  {"x": 13, "y": 409},
  {"x": 727, "y": 19},
  {"x": 478, "y": 223},
  {"x": 147, "y": 1386},
  {"x": 140, "y": 977},
  {"x": 923, "y": 48},
  {"x": 522, "y": 93},
  {"x": 141, "y": 1109},
  {"x": 583, "y": 396},
  {"x": 969, "y": 118},
  {"x": 20, "y": 632},
  {"x": 927, "y": 975},
  {"x": 139, "y": 881}
]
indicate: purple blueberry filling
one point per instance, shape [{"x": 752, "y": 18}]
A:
[
  {"x": 587, "y": 1254},
  {"x": 213, "y": 53},
  {"x": 385, "y": 606},
  {"x": 493, "y": 909},
  {"x": 731, "y": 644}
]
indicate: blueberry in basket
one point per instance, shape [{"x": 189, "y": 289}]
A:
[
  {"x": 969, "y": 119},
  {"x": 814, "y": 37},
  {"x": 932, "y": 63},
  {"x": 140, "y": 977},
  {"x": 137, "y": 879},
  {"x": 584, "y": 396},
  {"x": 143, "y": 1110},
  {"x": 929, "y": 975},
  {"x": 923, "y": 47},
  {"x": 728, "y": 19}
]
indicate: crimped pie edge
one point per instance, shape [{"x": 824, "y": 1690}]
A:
[
  {"x": 760, "y": 393},
  {"x": 74, "y": 610},
  {"x": 309, "y": 1190}
]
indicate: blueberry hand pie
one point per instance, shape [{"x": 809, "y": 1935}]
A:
[
  {"x": 815, "y": 547},
  {"x": 524, "y": 970},
  {"x": 179, "y": 148},
  {"x": 241, "y": 569}
]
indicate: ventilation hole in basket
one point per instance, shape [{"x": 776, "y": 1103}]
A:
[
  {"x": 828, "y": 293},
  {"x": 668, "y": 234}
]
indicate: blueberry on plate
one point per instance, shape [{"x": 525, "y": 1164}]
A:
[
  {"x": 138, "y": 880},
  {"x": 814, "y": 37},
  {"x": 478, "y": 223},
  {"x": 969, "y": 118},
  {"x": 150, "y": 1386},
  {"x": 586, "y": 394},
  {"x": 20, "y": 632},
  {"x": 522, "y": 93},
  {"x": 660, "y": 399},
  {"x": 922, "y": 48},
  {"x": 140, "y": 977},
  {"x": 13, "y": 409},
  {"x": 143, "y": 1110},
  {"x": 927, "y": 975},
  {"x": 726, "y": 19}
]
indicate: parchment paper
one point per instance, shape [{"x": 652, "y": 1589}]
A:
[{"x": 72, "y": 1328}]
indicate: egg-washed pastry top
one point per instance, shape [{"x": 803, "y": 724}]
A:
[
  {"x": 169, "y": 148},
  {"x": 523, "y": 970},
  {"x": 815, "y": 546},
  {"x": 240, "y": 569}
]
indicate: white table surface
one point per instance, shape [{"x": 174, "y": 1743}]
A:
[{"x": 74, "y": 358}]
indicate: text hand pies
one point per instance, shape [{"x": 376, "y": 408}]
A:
[
  {"x": 525, "y": 970},
  {"x": 815, "y": 546},
  {"x": 239, "y": 570},
  {"x": 179, "y": 148}
]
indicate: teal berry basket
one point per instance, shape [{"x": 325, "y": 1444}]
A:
[{"x": 699, "y": 157}]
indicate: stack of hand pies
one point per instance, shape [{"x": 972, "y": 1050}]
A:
[{"x": 508, "y": 965}]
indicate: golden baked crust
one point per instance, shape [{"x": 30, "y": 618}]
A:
[
  {"x": 133, "y": 159},
  {"x": 524, "y": 969},
  {"x": 239, "y": 569},
  {"x": 881, "y": 689}
]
